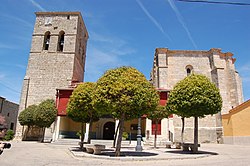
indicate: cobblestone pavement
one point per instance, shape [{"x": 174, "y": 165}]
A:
[{"x": 42, "y": 154}]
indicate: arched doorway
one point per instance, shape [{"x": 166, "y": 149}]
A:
[{"x": 109, "y": 130}]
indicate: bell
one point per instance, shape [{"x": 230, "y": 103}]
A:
[{"x": 47, "y": 42}]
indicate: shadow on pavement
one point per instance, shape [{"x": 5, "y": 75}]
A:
[
  {"x": 189, "y": 152},
  {"x": 129, "y": 154},
  {"x": 124, "y": 153}
]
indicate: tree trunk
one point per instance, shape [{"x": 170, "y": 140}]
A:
[
  {"x": 43, "y": 133},
  {"x": 90, "y": 129},
  {"x": 156, "y": 128},
  {"x": 26, "y": 130},
  {"x": 82, "y": 136},
  {"x": 195, "y": 150},
  {"x": 182, "y": 129},
  {"x": 119, "y": 140},
  {"x": 116, "y": 132}
]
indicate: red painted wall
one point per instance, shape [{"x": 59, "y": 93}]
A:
[
  {"x": 163, "y": 98},
  {"x": 62, "y": 100}
]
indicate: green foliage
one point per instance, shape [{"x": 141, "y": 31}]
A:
[
  {"x": 159, "y": 113},
  {"x": 126, "y": 91},
  {"x": 42, "y": 115},
  {"x": 46, "y": 113},
  {"x": 125, "y": 135},
  {"x": 80, "y": 107},
  {"x": 79, "y": 133},
  {"x": 9, "y": 135},
  {"x": 195, "y": 96},
  {"x": 126, "y": 94},
  {"x": 27, "y": 116}
]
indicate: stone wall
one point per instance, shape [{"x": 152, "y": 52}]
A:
[
  {"x": 52, "y": 69},
  {"x": 9, "y": 111},
  {"x": 170, "y": 66}
]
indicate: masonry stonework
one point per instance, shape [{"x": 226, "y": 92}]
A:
[
  {"x": 170, "y": 66},
  {"x": 59, "y": 65},
  {"x": 9, "y": 111}
]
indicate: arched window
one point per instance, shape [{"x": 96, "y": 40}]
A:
[
  {"x": 189, "y": 69},
  {"x": 60, "y": 41},
  {"x": 46, "y": 40}
]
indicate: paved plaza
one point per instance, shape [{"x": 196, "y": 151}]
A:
[{"x": 49, "y": 154}]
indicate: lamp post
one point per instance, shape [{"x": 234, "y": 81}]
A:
[{"x": 138, "y": 147}]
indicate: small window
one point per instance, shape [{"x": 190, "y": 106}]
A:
[
  {"x": 12, "y": 126},
  {"x": 189, "y": 70},
  {"x": 60, "y": 41},
  {"x": 68, "y": 17},
  {"x": 8, "y": 114},
  {"x": 46, "y": 41}
]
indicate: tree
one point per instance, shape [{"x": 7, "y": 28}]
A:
[
  {"x": 126, "y": 94},
  {"x": 42, "y": 115},
  {"x": 27, "y": 118},
  {"x": 45, "y": 115},
  {"x": 195, "y": 96},
  {"x": 159, "y": 113},
  {"x": 80, "y": 107}
]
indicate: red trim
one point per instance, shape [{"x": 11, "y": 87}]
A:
[{"x": 158, "y": 127}]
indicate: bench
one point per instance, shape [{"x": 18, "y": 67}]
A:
[
  {"x": 94, "y": 148},
  {"x": 176, "y": 145},
  {"x": 188, "y": 146}
]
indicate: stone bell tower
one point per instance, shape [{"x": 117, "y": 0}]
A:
[{"x": 57, "y": 57}]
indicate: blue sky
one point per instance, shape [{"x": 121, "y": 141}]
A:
[{"x": 126, "y": 32}]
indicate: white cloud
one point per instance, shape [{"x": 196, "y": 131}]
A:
[
  {"x": 152, "y": 19},
  {"x": 113, "y": 45},
  {"x": 37, "y": 5},
  {"x": 181, "y": 20},
  {"x": 107, "y": 39}
]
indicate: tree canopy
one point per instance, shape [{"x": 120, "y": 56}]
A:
[
  {"x": 27, "y": 116},
  {"x": 80, "y": 107},
  {"x": 126, "y": 94},
  {"x": 46, "y": 113},
  {"x": 126, "y": 91},
  {"x": 194, "y": 96},
  {"x": 42, "y": 115},
  {"x": 160, "y": 112}
]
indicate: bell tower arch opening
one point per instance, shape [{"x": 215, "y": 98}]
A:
[{"x": 54, "y": 62}]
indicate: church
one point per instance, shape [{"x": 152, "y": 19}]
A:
[{"x": 57, "y": 64}]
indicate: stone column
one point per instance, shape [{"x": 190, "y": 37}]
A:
[
  {"x": 165, "y": 129},
  {"x": 86, "y": 136},
  {"x": 148, "y": 128},
  {"x": 22, "y": 105},
  {"x": 57, "y": 128}
]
